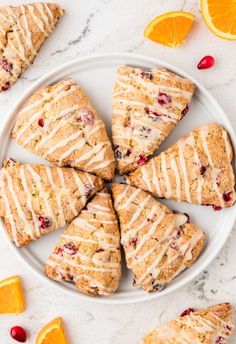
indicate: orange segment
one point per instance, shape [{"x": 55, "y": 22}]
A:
[
  {"x": 52, "y": 333},
  {"x": 220, "y": 17},
  {"x": 170, "y": 28},
  {"x": 11, "y": 296}
]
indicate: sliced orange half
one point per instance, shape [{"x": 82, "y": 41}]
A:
[
  {"x": 170, "y": 28},
  {"x": 220, "y": 17},
  {"x": 11, "y": 296},
  {"x": 52, "y": 333}
]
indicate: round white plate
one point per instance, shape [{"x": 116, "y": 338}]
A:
[{"x": 96, "y": 75}]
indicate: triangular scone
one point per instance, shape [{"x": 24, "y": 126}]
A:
[
  {"x": 23, "y": 30},
  {"x": 212, "y": 325},
  {"x": 88, "y": 252},
  {"x": 147, "y": 105},
  {"x": 196, "y": 169},
  {"x": 38, "y": 199},
  {"x": 59, "y": 124},
  {"x": 158, "y": 244}
]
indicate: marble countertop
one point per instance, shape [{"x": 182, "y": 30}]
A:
[{"x": 98, "y": 26}]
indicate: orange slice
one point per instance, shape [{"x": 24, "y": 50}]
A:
[
  {"x": 11, "y": 296},
  {"x": 220, "y": 17},
  {"x": 52, "y": 333},
  {"x": 170, "y": 28}
]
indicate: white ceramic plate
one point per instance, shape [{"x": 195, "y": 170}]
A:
[{"x": 96, "y": 75}]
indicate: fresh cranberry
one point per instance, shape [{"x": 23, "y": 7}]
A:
[
  {"x": 118, "y": 153},
  {"x": 146, "y": 75},
  {"x": 87, "y": 117},
  {"x": 44, "y": 222},
  {"x": 6, "y": 65},
  {"x": 220, "y": 340},
  {"x": 216, "y": 207},
  {"x": 227, "y": 196},
  {"x": 6, "y": 86},
  {"x": 70, "y": 248},
  {"x": 142, "y": 160},
  {"x": 88, "y": 190},
  {"x": 133, "y": 242},
  {"x": 185, "y": 110},
  {"x": 163, "y": 98},
  {"x": 18, "y": 333},
  {"x": 206, "y": 62},
  {"x": 41, "y": 122},
  {"x": 202, "y": 169},
  {"x": 187, "y": 312}
]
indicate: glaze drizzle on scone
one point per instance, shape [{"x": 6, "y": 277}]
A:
[
  {"x": 88, "y": 252},
  {"x": 197, "y": 169},
  {"x": 212, "y": 325},
  {"x": 23, "y": 30},
  {"x": 158, "y": 244},
  {"x": 59, "y": 124},
  {"x": 38, "y": 199},
  {"x": 147, "y": 105}
]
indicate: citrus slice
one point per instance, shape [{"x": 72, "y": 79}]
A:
[
  {"x": 220, "y": 17},
  {"x": 52, "y": 333},
  {"x": 170, "y": 28},
  {"x": 11, "y": 296}
]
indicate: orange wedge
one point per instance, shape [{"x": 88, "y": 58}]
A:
[
  {"x": 52, "y": 333},
  {"x": 11, "y": 296},
  {"x": 170, "y": 28},
  {"x": 220, "y": 17}
]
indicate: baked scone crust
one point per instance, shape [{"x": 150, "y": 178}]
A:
[
  {"x": 212, "y": 325},
  {"x": 23, "y": 30},
  {"x": 158, "y": 243},
  {"x": 88, "y": 252},
  {"x": 59, "y": 123},
  {"x": 147, "y": 105},
  {"x": 38, "y": 199},
  {"x": 196, "y": 169}
]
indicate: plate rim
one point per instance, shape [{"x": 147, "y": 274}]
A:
[{"x": 148, "y": 59}]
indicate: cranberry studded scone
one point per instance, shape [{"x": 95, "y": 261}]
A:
[
  {"x": 88, "y": 252},
  {"x": 211, "y": 325},
  {"x": 59, "y": 124},
  {"x": 38, "y": 199},
  {"x": 158, "y": 243},
  {"x": 147, "y": 105},
  {"x": 23, "y": 30},
  {"x": 196, "y": 169}
]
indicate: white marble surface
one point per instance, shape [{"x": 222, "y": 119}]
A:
[{"x": 93, "y": 26}]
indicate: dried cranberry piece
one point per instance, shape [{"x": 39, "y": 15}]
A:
[
  {"x": 44, "y": 222},
  {"x": 6, "y": 65},
  {"x": 206, "y": 62},
  {"x": 163, "y": 98},
  {"x": 6, "y": 86},
  {"x": 185, "y": 110},
  {"x": 146, "y": 75},
  {"x": 227, "y": 196},
  {"x": 220, "y": 340},
  {"x": 41, "y": 122},
  {"x": 133, "y": 242},
  {"x": 70, "y": 248},
  {"x": 202, "y": 169},
  {"x": 18, "y": 333},
  {"x": 142, "y": 160},
  {"x": 187, "y": 312},
  {"x": 87, "y": 117},
  {"x": 216, "y": 207}
]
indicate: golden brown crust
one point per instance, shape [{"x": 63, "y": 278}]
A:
[{"x": 59, "y": 123}]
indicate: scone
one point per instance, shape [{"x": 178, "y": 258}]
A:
[
  {"x": 23, "y": 30},
  {"x": 59, "y": 124},
  {"x": 88, "y": 252},
  {"x": 147, "y": 105},
  {"x": 158, "y": 243},
  {"x": 38, "y": 199},
  {"x": 196, "y": 169},
  {"x": 211, "y": 325}
]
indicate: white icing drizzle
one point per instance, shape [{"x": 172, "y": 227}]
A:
[
  {"x": 63, "y": 143},
  {"x": 155, "y": 178},
  {"x": 191, "y": 140},
  {"x": 184, "y": 171},
  {"x": 130, "y": 199},
  {"x": 177, "y": 177},
  {"x": 69, "y": 198},
  {"x": 166, "y": 177},
  {"x": 145, "y": 178}
]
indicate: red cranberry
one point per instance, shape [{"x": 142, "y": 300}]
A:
[
  {"x": 87, "y": 117},
  {"x": 70, "y": 248},
  {"x": 6, "y": 65},
  {"x": 142, "y": 160},
  {"x": 41, "y": 122},
  {"x": 146, "y": 75},
  {"x": 220, "y": 340},
  {"x": 18, "y": 333},
  {"x": 45, "y": 222},
  {"x": 227, "y": 196},
  {"x": 133, "y": 242},
  {"x": 202, "y": 169},
  {"x": 185, "y": 110},
  {"x": 206, "y": 62},
  {"x": 187, "y": 312},
  {"x": 216, "y": 207},
  {"x": 6, "y": 86},
  {"x": 163, "y": 98}
]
